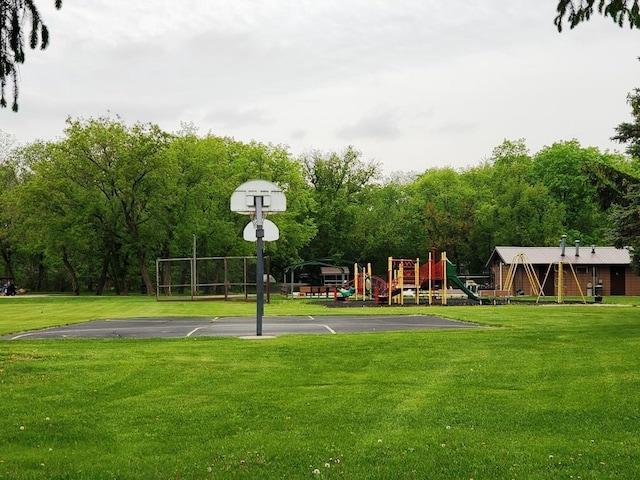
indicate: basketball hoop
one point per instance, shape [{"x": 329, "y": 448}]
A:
[
  {"x": 257, "y": 198},
  {"x": 243, "y": 199}
]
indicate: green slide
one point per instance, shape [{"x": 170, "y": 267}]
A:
[{"x": 451, "y": 275}]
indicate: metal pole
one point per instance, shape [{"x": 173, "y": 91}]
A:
[
  {"x": 194, "y": 273},
  {"x": 259, "y": 267},
  {"x": 157, "y": 279}
]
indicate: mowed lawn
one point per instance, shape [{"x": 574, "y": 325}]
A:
[{"x": 544, "y": 392}]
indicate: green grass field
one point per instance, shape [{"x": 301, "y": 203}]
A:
[{"x": 550, "y": 392}]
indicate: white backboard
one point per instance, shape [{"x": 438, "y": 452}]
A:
[
  {"x": 243, "y": 198},
  {"x": 271, "y": 232}
]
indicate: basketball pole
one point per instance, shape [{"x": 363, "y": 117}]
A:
[
  {"x": 259, "y": 266},
  {"x": 259, "y": 196}
]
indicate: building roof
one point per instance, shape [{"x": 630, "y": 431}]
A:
[
  {"x": 548, "y": 255},
  {"x": 326, "y": 271}
]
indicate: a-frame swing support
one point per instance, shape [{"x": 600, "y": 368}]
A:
[
  {"x": 560, "y": 295},
  {"x": 523, "y": 259}
]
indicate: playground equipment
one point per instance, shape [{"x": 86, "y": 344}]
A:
[
  {"x": 537, "y": 288},
  {"x": 346, "y": 292},
  {"x": 523, "y": 259},
  {"x": 560, "y": 270},
  {"x": 406, "y": 274},
  {"x": 367, "y": 286},
  {"x": 403, "y": 274}
]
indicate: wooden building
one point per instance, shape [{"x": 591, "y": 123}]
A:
[{"x": 598, "y": 270}]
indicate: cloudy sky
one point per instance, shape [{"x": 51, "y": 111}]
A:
[{"x": 412, "y": 84}]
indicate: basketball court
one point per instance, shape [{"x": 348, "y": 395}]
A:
[{"x": 239, "y": 327}]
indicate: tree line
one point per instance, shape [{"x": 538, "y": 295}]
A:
[{"x": 98, "y": 206}]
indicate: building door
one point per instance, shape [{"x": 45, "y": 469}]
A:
[
  {"x": 617, "y": 280},
  {"x": 549, "y": 288}
]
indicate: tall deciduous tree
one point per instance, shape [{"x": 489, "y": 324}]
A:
[
  {"x": 50, "y": 213},
  {"x": 446, "y": 205},
  {"x": 131, "y": 184},
  {"x": 619, "y": 184},
  {"x": 387, "y": 223},
  {"x": 514, "y": 209},
  {"x": 13, "y": 14},
  {"x": 8, "y": 182},
  {"x": 338, "y": 181},
  {"x": 628, "y": 133},
  {"x": 562, "y": 168},
  {"x": 210, "y": 169},
  {"x": 579, "y": 11},
  {"x": 626, "y": 221}
]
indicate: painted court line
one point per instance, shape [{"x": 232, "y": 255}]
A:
[
  {"x": 66, "y": 332},
  {"x": 127, "y": 320},
  {"x": 193, "y": 331},
  {"x": 22, "y": 336}
]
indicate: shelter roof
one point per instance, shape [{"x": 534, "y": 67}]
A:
[
  {"x": 321, "y": 262},
  {"x": 547, "y": 255},
  {"x": 334, "y": 270}
]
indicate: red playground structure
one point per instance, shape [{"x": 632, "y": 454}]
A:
[{"x": 407, "y": 278}]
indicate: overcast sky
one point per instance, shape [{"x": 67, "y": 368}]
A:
[{"x": 413, "y": 84}]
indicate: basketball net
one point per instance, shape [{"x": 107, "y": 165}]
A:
[{"x": 254, "y": 220}]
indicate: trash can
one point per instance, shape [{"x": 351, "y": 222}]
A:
[
  {"x": 589, "y": 289},
  {"x": 597, "y": 293}
]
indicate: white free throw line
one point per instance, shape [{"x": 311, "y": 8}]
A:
[
  {"x": 193, "y": 331},
  {"x": 21, "y": 336}
]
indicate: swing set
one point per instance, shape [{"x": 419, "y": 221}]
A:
[{"x": 537, "y": 287}]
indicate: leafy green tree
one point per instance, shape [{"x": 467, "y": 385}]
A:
[
  {"x": 511, "y": 208},
  {"x": 628, "y": 133},
  {"x": 617, "y": 181},
  {"x": 8, "y": 182},
  {"x": 579, "y": 11},
  {"x": 125, "y": 168},
  {"x": 211, "y": 168},
  {"x": 52, "y": 214},
  {"x": 13, "y": 14},
  {"x": 387, "y": 224},
  {"x": 339, "y": 183},
  {"x": 626, "y": 220},
  {"x": 97, "y": 194},
  {"x": 446, "y": 205},
  {"x": 562, "y": 168}
]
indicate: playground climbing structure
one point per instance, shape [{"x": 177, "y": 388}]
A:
[{"x": 431, "y": 276}]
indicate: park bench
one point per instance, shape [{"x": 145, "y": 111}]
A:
[{"x": 315, "y": 290}]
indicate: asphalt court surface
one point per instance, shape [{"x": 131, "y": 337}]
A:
[{"x": 239, "y": 327}]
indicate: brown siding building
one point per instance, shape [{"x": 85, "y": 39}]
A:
[{"x": 598, "y": 270}]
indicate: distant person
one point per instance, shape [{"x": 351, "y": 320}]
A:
[{"x": 11, "y": 289}]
